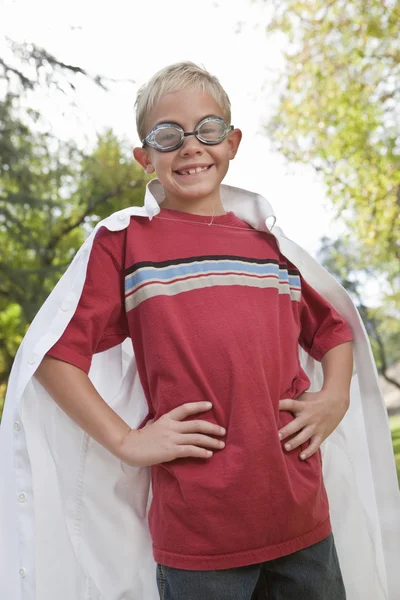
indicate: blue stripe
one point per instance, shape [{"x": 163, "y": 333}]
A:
[
  {"x": 194, "y": 269},
  {"x": 294, "y": 280},
  {"x": 291, "y": 279}
]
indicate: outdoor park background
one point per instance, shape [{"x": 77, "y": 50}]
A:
[{"x": 314, "y": 86}]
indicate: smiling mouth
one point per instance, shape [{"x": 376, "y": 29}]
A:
[{"x": 191, "y": 172}]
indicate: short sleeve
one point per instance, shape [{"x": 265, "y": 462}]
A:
[
  {"x": 322, "y": 328},
  {"x": 99, "y": 322}
]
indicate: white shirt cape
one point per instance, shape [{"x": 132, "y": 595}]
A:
[{"x": 73, "y": 518}]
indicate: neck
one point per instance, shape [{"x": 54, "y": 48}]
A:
[{"x": 207, "y": 206}]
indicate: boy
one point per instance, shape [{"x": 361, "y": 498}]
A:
[
  {"x": 215, "y": 313},
  {"x": 197, "y": 300}
]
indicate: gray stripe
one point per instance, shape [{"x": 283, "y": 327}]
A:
[{"x": 200, "y": 281}]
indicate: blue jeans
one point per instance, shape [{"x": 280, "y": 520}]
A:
[{"x": 309, "y": 574}]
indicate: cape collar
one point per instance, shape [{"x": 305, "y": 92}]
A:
[{"x": 248, "y": 206}]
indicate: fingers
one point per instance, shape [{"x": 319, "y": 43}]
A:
[
  {"x": 314, "y": 446},
  {"x": 291, "y": 428},
  {"x": 189, "y": 408},
  {"x": 202, "y": 440},
  {"x": 300, "y": 439},
  {"x": 189, "y": 439},
  {"x": 291, "y": 405},
  {"x": 194, "y": 426},
  {"x": 185, "y": 451},
  {"x": 200, "y": 426}
]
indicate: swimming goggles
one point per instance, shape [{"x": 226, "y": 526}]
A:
[{"x": 166, "y": 137}]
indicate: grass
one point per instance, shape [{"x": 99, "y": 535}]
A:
[{"x": 395, "y": 428}]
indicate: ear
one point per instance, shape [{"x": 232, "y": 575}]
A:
[
  {"x": 234, "y": 140},
  {"x": 142, "y": 157}
]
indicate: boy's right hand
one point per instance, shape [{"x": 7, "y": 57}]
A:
[{"x": 171, "y": 437}]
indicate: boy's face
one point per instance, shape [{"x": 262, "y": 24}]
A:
[{"x": 187, "y": 108}]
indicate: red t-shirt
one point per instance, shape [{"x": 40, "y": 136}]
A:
[{"x": 214, "y": 313}]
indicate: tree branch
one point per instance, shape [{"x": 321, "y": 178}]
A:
[
  {"x": 90, "y": 207},
  {"x": 25, "y": 81},
  {"x": 390, "y": 380}
]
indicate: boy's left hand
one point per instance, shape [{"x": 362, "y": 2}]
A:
[{"x": 317, "y": 414}]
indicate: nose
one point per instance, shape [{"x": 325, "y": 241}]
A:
[{"x": 191, "y": 146}]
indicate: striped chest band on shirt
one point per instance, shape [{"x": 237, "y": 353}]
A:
[{"x": 148, "y": 279}]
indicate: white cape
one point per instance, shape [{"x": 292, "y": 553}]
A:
[{"x": 73, "y": 518}]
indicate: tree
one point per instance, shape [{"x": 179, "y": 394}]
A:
[
  {"x": 49, "y": 201},
  {"x": 342, "y": 259},
  {"x": 338, "y": 110},
  {"x": 52, "y": 193},
  {"x": 32, "y": 67}
]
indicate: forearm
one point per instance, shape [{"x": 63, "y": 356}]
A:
[
  {"x": 337, "y": 365},
  {"x": 73, "y": 391}
]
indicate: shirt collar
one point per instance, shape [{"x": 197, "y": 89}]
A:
[{"x": 248, "y": 206}]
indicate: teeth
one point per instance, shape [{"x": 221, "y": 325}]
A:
[{"x": 192, "y": 171}]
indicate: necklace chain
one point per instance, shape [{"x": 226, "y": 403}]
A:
[
  {"x": 208, "y": 224},
  {"x": 213, "y": 215}
]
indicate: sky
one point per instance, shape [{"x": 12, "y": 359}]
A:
[{"x": 131, "y": 40}]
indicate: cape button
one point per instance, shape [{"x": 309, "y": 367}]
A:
[
  {"x": 17, "y": 426},
  {"x": 65, "y": 306},
  {"x": 22, "y": 572},
  {"x": 32, "y": 359},
  {"x": 122, "y": 217},
  {"x": 22, "y": 497}
]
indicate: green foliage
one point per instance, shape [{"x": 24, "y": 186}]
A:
[
  {"x": 52, "y": 193},
  {"x": 339, "y": 112},
  {"x": 395, "y": 428},
  {"x": 343, "y": 259},
  {"x": 12, "y": 330}
]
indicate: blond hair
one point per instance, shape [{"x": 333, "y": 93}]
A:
[{"x": 177, "y": 77}]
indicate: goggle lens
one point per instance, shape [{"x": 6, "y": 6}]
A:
[
  {"x": 168, "y": 136},
  {"x": 212, "y": 131}
]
